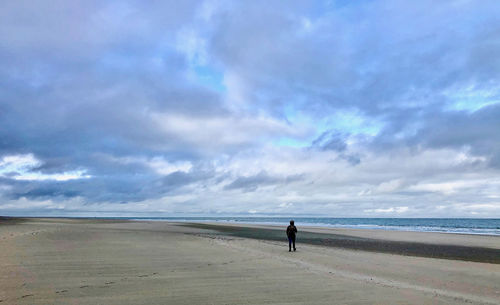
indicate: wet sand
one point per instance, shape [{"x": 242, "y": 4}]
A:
[
  {"x": 359, "y": 240},
  {"x": 60, "y": 261}
]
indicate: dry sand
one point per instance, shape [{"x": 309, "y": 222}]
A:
[{"x": 57, "y": 261}]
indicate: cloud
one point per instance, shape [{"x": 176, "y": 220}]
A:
[
  {"x": 329, "y": 140},
  {"x": 251, "y": 183},
  {"x": 477, "y": 132},
  {"x": 388, "y": 210},
  {"x": 25, "y": 167},
  {"x": 332, "y": 108}
]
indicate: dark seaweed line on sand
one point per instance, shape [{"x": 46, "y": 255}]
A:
[{"x": 473, "y": 254}]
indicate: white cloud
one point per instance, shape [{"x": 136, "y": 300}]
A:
[
  {"x": 396, "y": 210},
  {"x": 286, "y": 205},
  {"x": 71, "y": 175},
  {"x": 219, "y": 132},
  {"x": 18, "y": 163},
  {"x": 158, "y": 163},
  {"x": 389, "y": 186},
  {"x": 22, "y": 167},
  {"x": 454, "y": 186}
]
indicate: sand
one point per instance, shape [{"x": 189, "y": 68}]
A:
[{"x": 57, "y": 261}]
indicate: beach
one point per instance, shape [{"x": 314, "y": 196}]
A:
[{"x": 90, "y": 261}]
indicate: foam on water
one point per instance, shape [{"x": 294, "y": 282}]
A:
[{"x": 444, "y": 225}]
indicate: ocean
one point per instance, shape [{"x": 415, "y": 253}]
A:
[{"x": 445, "y": 225}]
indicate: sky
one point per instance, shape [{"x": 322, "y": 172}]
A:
[{"x": 367, "y": 108}]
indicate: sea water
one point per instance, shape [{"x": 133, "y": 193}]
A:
[{"x": 446, "y": 225}]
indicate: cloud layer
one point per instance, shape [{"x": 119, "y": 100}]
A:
[{"x": 334, "y": 108}]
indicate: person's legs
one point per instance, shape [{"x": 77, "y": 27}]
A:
[
  {"x": 290, "y": 244},
  {"x": 293, "y": 239}
]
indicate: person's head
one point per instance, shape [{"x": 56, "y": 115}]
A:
[{"x": 291, "y": 222}]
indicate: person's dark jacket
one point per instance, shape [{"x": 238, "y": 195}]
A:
[{"x": 290, "y": 231}]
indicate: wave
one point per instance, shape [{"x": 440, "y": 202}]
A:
[{"x": 441, "y": 225}]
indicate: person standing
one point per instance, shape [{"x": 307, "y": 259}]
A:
[{"x": 291, "y": 231}]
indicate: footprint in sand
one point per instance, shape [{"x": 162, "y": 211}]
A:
[
  {"x": 61, "y": 291},
  {"x": 27, "y": 295},
  {"x": 109, "y": 283},
  {"x": 84, "y": 286}
]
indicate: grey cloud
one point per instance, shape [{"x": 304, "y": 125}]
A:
[
  {"x": 476, "y": 131},
  {"x": 73, "y": 92},
  {"x": 129, "y": 183},
  {"x": 384, "y": 65},
  {"x": 330, "y": 140},
  {"x": 336, "y": 141},
  {"x": 180, "y": 179},
  {"x": 353, "y": 159},
  {"x": 11, "y": 174},
  {"x": 41, "y": 190},
  {"x": 251, "y": 183},
  {"x": 98, "y": 189}
]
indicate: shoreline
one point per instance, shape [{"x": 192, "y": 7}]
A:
[
  {"x": 362, "y": 241},
  {"x": 474, "y": 240},
  {"x": 319, "y": 226}
]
